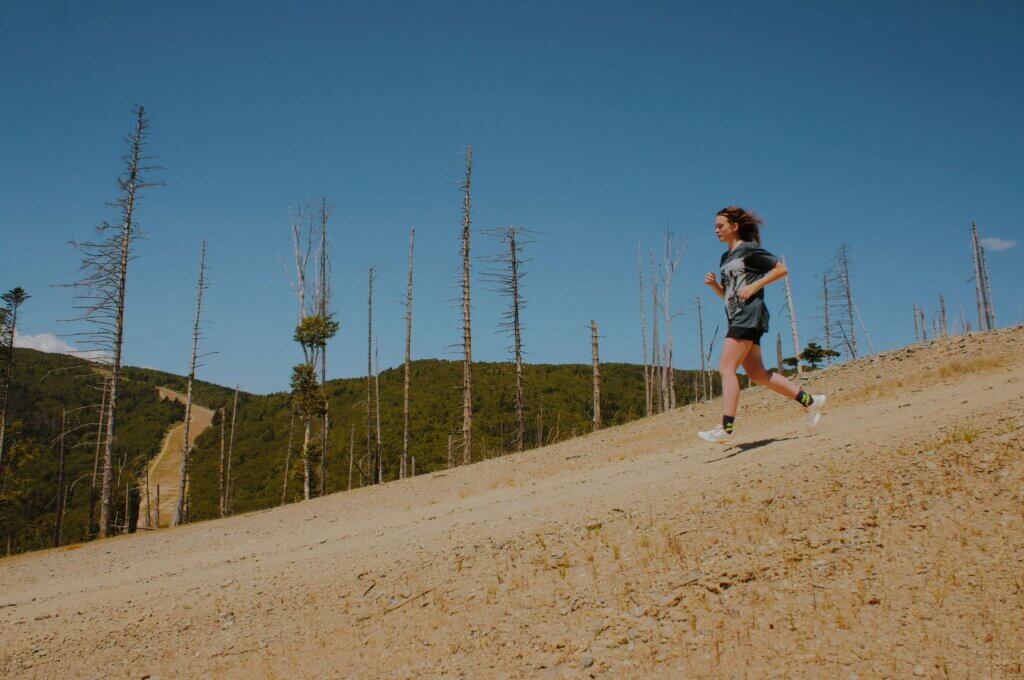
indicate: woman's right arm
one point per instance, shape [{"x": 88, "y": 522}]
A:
[{"x": 711, "y": 282}]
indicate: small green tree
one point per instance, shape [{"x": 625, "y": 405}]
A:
[
  {"x": 308, "y": 397},
  {"x": 814, "y": 354}
]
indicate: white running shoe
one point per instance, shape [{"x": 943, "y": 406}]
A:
[
  {"x": 716, "y": 436},
  {"x": 815, "y": 409}
]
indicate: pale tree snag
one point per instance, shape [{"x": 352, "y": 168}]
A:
[
  {"x": 674, "y": 248},
  {"x": 507, "y": 274},
  {"x": 351, "y": 453},
  {"x": 943, "y": 327},
  {"x": 828, "y": 325},
  {"x": 186, "y": 448},
  {"x": 323, "y": 304},
  {"x": 58, "y": 520},
  {"x": 288, "y": 457},
  {"x": 93, "y": 526},
  {"x": 656, "y": 389},
  {"x": 699, "y": 395},
  {"x": 917, "y": 325},
  {"x": 231, "y": 455},
  {"x": 101, "y": 301},
  {"x": 643, "y": 334},
  {"x": 467, "y": 338},
  {"x": 369, "y": 377},
  {"x": 376, "y": 391},
  {"x": 404, "y": 467},
  {"x": 451, "y": 451},
  {"x": 220, "y": 467},
  {"x": 792, "y": 319},
  {"x": 597, "y": 375},
  {"x": 778, "y": 352}
]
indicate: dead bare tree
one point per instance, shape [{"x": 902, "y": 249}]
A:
[
  {"x": 404, "y": 467},
  {"x": 982, "y": 286},
  {"x": 370, "y": 463},
  {"x": 376, "y": 391},
  {"x": 942, "y": 316},
  {"x": 791, "y": 309},
  {"x": 323, "y": 287},
  {"x": 507, "y": 275},
  {"x": 673, "y": 251},
  {"x": 778, "y": 352},
  {"x": 828, "y": 324},
  {"x": 698, "y": 395},
  {"x": 351, "y": 453},
  {"x": 843, "y": 271},
  {"x": 467, "y": 338},
  {"x": 643, "y": 335},
  {"x": 100, "y": 300},
  {"x": 93, "y": 526},
  {"x": 656, "y": 376},
  {"x": 288, "y": 457},
  {"x": 226, "y": 509},
  {"x": 917, "y": 325},
  {"x": 597, "y": 375},
  {"x": 59, "y": 514},
  {"x": 186, "y": 447}
]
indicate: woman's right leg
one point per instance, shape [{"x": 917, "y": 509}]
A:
[
  {"x": 733, "y": 353},
  {"x": 776, "y": 382}
]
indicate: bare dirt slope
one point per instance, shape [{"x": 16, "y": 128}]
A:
[
  {"x": 165, "y": 468},
  {"x": 887, "y": 543}
]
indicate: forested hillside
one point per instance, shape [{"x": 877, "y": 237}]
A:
[
  {"x": 559, "y": 406},
  {"x": 43, "y": 387}
]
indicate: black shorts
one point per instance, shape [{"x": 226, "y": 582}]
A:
[{"x": 740, "y": 333}]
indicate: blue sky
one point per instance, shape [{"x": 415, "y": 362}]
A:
[{"x": 889, "y": 126}]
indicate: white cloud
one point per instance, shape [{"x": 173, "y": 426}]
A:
[
  {"x": 48, "y": 342},
  {"x": 996, "y": 243}
]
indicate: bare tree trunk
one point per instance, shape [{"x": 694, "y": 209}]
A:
[
  {"x": 186, "y": 448},
  {"x": 700, "y": 339},
  {"x": 157, "y": 506},
  {"x": 965, "y": 327},
  {"x": 414, "y": 466},
  {"x": 828, "y": 325},
  {"x": 93, "y": 526},
  {"x": 351, "y": 453},
  {"x": 518, "y": 341},
  {"x": 597, "y": 375},
  {"x": 844, "y": 278},
  {"x": 917, "y": 325},
  {"x": 231, "y": 455},
  {"x": 288, "y": 458},
  {"x": 58, "y": 521},
  {"x": 778, "y": 352},
  {"x": 942, "y": 315},
  {"x": 467, "y": 344},
  {"x": 149, "y": 509},
  {"x": 648, "y": 406},
  {"x": 376, "y": 383},
  {"x": 792, "y": 320},
  {"x": 656, "y": 387},
  {"x": 370, "y": 463},
  {"x": 323, "y": 299},
  {"x": 112, "y": 264},
  {"x": 451, "y": 451},
  {"x": 670, "y": 263},
  {"x": 403, "y": 469},
  {"x": 307, "y": 433}
]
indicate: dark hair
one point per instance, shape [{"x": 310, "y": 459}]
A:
[{"x": 749, "y": 223}]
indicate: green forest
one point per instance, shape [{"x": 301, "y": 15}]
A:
[{"x": 558, "y": 400}]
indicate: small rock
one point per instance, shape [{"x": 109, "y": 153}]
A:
[
  {"x": 586, "y": 661},
  {"x": 919, "y": 670}
]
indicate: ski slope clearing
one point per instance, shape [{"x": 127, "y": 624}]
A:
[{"x": 889, "y": 542}]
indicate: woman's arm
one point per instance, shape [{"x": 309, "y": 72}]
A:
[
  {"x": 711, "y": 282},
  {"x": 777, "y": 272}
]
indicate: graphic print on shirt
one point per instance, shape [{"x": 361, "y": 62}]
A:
[{"x": 733, "y": 278}]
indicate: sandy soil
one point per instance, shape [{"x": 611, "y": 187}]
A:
[
  {"x": 888, "y": 543},
  {"x": 165, "y": 468}
]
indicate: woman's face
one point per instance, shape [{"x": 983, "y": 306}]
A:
[{"x": 724, "y": 229}]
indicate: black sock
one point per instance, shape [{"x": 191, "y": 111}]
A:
[
  {"x": 804, "y": 398},
  {"x": 727, "y": 422}
]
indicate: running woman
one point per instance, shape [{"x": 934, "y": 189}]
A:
[{"x": 746, "y": 268}]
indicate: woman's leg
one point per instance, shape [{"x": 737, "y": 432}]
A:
[
  {"x": 733, "y": 353},
  {"x": 776, "y": 382}
]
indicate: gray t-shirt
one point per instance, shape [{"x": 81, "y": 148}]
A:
[{"x": 743, "y": 265}]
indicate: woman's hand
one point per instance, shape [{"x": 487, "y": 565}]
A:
[
  {"x": 748, "y": 291},
  {"x": 710, "y": 280}
]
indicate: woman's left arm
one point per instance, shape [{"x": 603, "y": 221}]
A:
[{"x": 777, "y": 272}]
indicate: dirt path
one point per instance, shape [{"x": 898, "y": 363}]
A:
[
  {"x": 889, "y": 542},
  {"x": 165, "y": 468}
]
